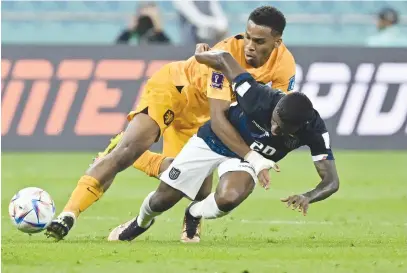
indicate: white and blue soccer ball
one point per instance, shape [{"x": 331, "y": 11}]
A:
[{"x": 31, "y": 210}]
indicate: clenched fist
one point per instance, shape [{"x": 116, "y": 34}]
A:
[{"x": 202, "y": 48}]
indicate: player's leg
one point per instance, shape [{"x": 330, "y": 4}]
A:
[
  {"x": 149, "y": 162},
  {"x": 174, "y": 139},
  {"x": 163, "y": 166},
  {"x": 237, "y": 181},
  {"x": 156, "y": 202},
  {"x": 185, "y": 176},
  {"x": 153, "y": 164},
  {"x": 205, "y": 189},
  {"x": 192, "y": 231},
  {"x": 146, "y": 124},
  {"x": 140, "y": 134}
]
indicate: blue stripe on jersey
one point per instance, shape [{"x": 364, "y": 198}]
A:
[
  {"x": 214, "y": 143},
  {"x": 238, "y": 120},
  {"x": 330, "y": 155}
]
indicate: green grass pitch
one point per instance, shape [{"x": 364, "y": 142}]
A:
[{"x": 360, "y": 229}]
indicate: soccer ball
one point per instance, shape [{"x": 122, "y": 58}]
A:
[{"x": 31, "y": 210}]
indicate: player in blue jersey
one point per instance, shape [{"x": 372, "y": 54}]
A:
[{"x": 270, "y": 122}]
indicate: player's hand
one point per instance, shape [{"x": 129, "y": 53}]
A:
[
  {"x": 212, "y": 58},
  {"x": 261, "y": 166},
  {"x": 264, "y": 179},
  {"x": 299, "y": 202},
  {"x": 202, "y": 47},
  {"x": 264, "y": 175}
]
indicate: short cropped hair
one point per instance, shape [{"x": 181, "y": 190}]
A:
[
  {"x": 295, "y": 109},
  {"x": 269, "y": 16}
]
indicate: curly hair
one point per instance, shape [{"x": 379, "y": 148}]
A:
[
  {"x": 295, "y": 109},
  {"x": 270, "y": 17}
]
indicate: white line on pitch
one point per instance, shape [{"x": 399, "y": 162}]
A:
[
  {"x": 246, "y": 221},
  {"x": 261, "y": 222},
  {"x": 283, "y": 222}
]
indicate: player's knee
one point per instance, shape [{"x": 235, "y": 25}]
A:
[
  {"x": 228, "y": 200},
  {"x": 164, "y": 198},
  {"x": 233, "y": 189}
]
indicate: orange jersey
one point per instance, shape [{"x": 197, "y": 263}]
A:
[
  {"x": 177, "y": 96},
  {"x": 185, "y": 86},
  {"x": 200, "y": 82},
  {"x": 278, "y": 71}
]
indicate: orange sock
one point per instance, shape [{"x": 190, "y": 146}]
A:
[
  {"x": 87, "y": 192},
  {"x": 149, "y": 163}
]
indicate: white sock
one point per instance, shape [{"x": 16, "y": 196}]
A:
[
  {"x": 207, "y": 208},
  {"x": 146, "y": 215}
]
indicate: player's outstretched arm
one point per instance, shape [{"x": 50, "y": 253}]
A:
[{"x": 328, "y": 186}]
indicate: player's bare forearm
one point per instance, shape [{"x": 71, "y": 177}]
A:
[
  {"x": 329, "y": 184},
  {"x": 224, "y": 130},
  {"x": 222, "y": 61}
]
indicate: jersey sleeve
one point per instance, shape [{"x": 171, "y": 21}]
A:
[
  {"x": 318, "y": 140},
  {"x": 285, "y": 73},
  {"x": 218, "y": 87},
  {"x": 256, "y": 100}
]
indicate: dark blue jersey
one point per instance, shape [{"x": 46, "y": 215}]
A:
[{"x": 251, "y": 117}]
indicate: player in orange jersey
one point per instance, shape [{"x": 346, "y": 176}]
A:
[{"x": 176, "y": 101}]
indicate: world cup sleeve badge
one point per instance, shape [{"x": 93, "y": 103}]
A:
[{"x": 217, "y": 80}]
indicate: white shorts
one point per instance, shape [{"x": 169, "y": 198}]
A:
[{"x": 197, "y": 161}]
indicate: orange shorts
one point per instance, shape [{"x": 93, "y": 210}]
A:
[
  {"x": 169, "y": 108},
  {"x": 160, "y": 99}
]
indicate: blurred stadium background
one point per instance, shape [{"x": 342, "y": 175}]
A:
[
  {"x": 66, "y": 89},
  {"x": 99, "y": 22}
]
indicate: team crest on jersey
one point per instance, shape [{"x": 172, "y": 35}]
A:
[
  {"x": 217, "y": 80},
  {"x": 291, "y": 84},
  {"x": 168, "y": 117},
  {"x": 174, "y": 173}
]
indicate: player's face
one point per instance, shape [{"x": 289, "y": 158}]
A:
[
  {"x": 279, "y": 128},
  {"x": 259, "y": 42},
  {"x": 381, "y": 24}
]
